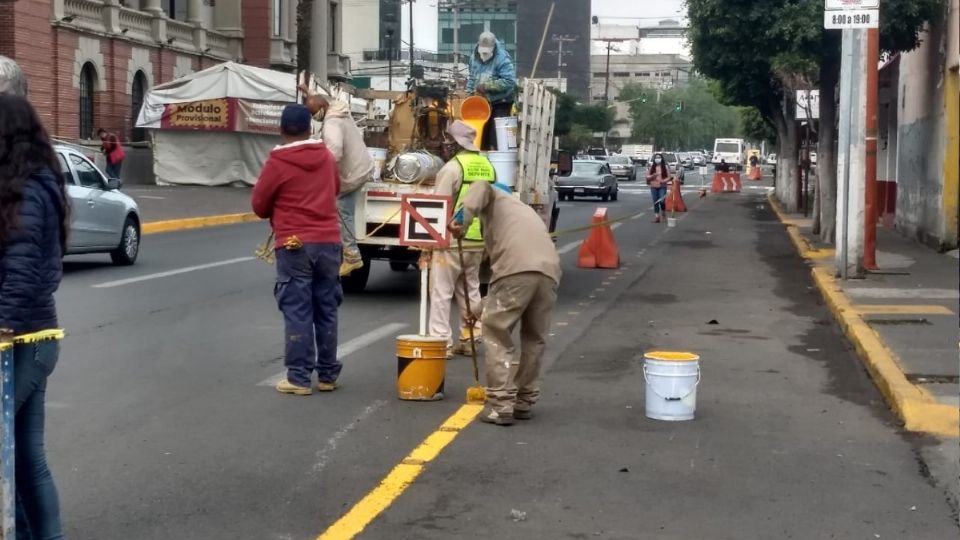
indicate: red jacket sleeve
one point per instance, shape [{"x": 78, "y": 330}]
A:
[{"x": 265, "y": 190}]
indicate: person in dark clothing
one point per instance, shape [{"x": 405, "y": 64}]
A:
[
  {"x": 493, "y": 76},
  {"x": 34, "y": 218},
  {"x": 297, "y": 190},
  {"x": 113, "y": 151},
  {"x": 722, "y": 166}
]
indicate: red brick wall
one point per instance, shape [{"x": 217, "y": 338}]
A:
[{"x": 257, "y": 29}]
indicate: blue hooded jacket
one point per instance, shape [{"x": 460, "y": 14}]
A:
[
  {"x": 498, "y": 75},
  {"x": 31, "y": 261}
]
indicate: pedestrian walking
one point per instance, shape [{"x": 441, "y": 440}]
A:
[
  {"x": 465, "y": 166},
  {"x": 343, "y": 138},
  {"x": 297, "y": 190},
  {"x": 523, "y": 290},
  {"x": 113, "y": 150},
  {"x": 657, "y": 178},
  {"x": 492, "y": 76},
  {"x": 33, "y": 231}
]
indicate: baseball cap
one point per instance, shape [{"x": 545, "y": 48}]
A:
[{"x": 295, "y": 119}]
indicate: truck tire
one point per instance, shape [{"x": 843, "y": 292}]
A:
[
  {"x": 356, "y": 282},
  {"x": 399, "y": 266}
]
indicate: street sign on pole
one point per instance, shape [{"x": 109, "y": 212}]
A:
[
  {"x": 423, "y": 220},
  {"x": 832, "y": 5},
  {"x": 808, "y": 104},
  {"x": 851, "y": 18}
]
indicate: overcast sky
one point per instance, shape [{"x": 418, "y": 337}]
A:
[{"x": 645, "y": 12}]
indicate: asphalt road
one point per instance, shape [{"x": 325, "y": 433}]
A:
[{"x": 162, "y": 423}]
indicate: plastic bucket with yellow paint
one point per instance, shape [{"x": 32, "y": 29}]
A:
[
  {"x": 421, "y": 367},
  {"x": 475, "y": 111},
  {"x": 671, "y": 384}
]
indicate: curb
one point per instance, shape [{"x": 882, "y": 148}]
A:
[
  {"x": 155, "y": 227},
  {"x": 918, "y": 410}
]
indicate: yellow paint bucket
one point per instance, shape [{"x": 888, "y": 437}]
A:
[
  {"x": 421, "y": 367},
  {"x": 475, "y": 111}
]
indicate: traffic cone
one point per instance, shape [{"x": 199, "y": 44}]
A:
[
  {"x": 756, "y": 173},
  {"x": 599, "y": 250},
  {"x": 675, "y": 199}
]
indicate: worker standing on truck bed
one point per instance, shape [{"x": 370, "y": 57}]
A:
[
  {"x": 343, "y": 138},
  {"x": 523, "y": 289},
  {"x": 465, "y": 166},
  {"x": 492, "y": 76}
]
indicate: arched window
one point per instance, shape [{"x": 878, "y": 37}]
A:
[
  {"x": 88, "y": 76},
  {"x": 137, "y": 93}
]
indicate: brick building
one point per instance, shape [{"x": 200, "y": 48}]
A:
[{"x": 90, "y": 62}]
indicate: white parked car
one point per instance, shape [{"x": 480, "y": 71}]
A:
[
  {"x": 102, "y": 219},
  {"x": 771, "y": 159}
]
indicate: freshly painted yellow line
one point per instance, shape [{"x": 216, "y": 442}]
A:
[
  {"x": 896, "y": 309},
  {"x": 914, "y": 405},
  {"x": 170, "y": 225},
  {"x": 399, "y": 479}
]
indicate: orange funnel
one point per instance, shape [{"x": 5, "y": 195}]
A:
[{"x": 475, "y": 111}]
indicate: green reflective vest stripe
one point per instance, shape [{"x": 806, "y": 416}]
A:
[{"x": 475, "y": 168}]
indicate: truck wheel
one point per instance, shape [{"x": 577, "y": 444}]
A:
[
  {"x": 356, "y": 282},
  {"x": 605, "y": 197},
  {"x": 399, "y": 266}
]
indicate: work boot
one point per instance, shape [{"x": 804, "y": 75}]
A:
[
  {"x": 348, "y": 266},
  {"x": 287, "y": 387},
  {"x": 491, "y": 416},
  {"x": 522, "y": 414},
  {"x": 656, "y": 219},
  {"x": 327, "y": 386}
]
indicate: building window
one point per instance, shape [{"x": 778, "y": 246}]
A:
[
  {"x": 621, "y": 74},
  {"x": 599, "y": 75},
  {"x": 88, "y": 76},
  {"x": 137, "y": 92},
  {"x": 277, "y": 18}
]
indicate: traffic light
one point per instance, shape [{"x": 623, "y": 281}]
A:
[{"x": 678, "y": 107}]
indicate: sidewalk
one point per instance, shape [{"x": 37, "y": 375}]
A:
[{"x": 172, "y": 208}]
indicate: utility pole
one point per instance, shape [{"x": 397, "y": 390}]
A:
[
  {"x": 456, "y": 32},
  {"x": 411, "y": 38},
  {"x": 870, "y": 202},
  {"x": 560, "y": 41},
  {"x": 319, "y": 25}
]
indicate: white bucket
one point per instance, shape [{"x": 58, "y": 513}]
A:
[
  {"x": 671, "y": 385},
  {"x": 671, "y": 222},
  {"x": 505, "y": 163},
  {"x": 506, "y": 128},
  {"x": 379, "y": 156}
]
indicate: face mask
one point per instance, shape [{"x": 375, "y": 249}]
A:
[
  {"x": 486, "y": 56},
  {"x": 657, "y": 161}
]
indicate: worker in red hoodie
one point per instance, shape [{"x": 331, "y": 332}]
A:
[{"x": 297, "y": 190}]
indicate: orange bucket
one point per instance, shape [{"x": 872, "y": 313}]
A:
[{"x": 475, "y": 112}]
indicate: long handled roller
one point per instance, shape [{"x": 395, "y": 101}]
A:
[{"x": 475, "y": 394}]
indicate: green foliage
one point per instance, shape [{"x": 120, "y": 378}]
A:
[
  {"x": 565, "y": 111},
  {"x": 594, "y": 117},
  {"x": 578, "y": 138},
  {"x": 902, "y": 20},
  {"x": 683, "y": 118},
  {"x": 754, "y": 127}
]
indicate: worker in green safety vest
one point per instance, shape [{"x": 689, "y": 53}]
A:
[{"x": 465, "y": 166}]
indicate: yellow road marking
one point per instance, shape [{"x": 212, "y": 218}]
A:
[
  {"x": 399, "y": 479},
  {"x": 170, "y": 225},
  {"x": 919, "y": 309}
]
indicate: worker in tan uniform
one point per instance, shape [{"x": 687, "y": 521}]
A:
[
  {"x": 465, "y": 166},
  {"x": 526, "y": 274}
]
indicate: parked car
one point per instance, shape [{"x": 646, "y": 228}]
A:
[
  {"x": 699, "y": 160},
  {"x": 102, "y": 219},
  {"x": 622, "y": 168},
  {"x": 588, "y": 178},
  {"x": 686, "y": 160},
  {"x": 772, "y": 159},
  {"x": 674, "y": 162}
]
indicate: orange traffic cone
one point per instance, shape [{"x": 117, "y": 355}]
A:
[
  {"x": 599, "y": 250},
  {"x": 675, "y": 199}
]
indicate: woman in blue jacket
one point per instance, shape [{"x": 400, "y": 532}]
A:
[
  {"x": 493, "y": 76},
  {"x": 33, "y": 231}
]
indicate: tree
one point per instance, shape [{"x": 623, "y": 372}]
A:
[
  {"x": 577, "y": 139},
  {"x": 594, "y": 117},
  {"x": 564, "y": 113},
  {"x": 755, "y": 127},
  {"x": 688, "y": 117}
]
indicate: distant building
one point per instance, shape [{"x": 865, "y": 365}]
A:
[
  {"x": 570, "y": 23},
  {"x": 461, "y": 22}
]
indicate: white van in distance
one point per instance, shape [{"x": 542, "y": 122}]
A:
[{"x": 729, "y": 150}]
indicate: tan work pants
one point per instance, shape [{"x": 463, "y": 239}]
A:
[
  {"x": 514, "y": 382},
  {"x": 446, "y": 285}
]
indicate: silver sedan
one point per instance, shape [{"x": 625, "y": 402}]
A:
[
  {"x": 102, "y": 219},
  {"x": 588, "y": 178}
]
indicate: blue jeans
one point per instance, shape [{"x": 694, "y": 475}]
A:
[
  {"x": 347, "y": 205},
  {"x": 113, "y": 171},
  {"x": 38, "y": 505},
  {"x": 659, "y": 199},
  {"x": 308, "y": 294}
]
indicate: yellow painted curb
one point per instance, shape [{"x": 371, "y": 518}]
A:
[
  {"x": 803, "y": 246},
  {"x": 171, "y": 225},
  {"x": 917, "y": 408}
]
